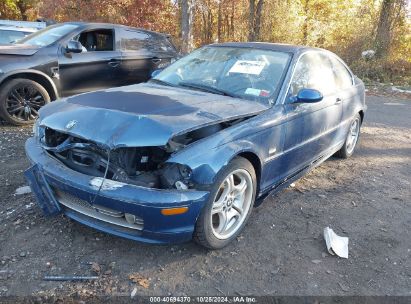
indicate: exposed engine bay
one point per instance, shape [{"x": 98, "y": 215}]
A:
[{"x": 140, "y": 166}]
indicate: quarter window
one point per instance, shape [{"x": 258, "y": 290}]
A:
[
  {"x": 342, "y": 75},
  {"x": 313, "y": 71}
]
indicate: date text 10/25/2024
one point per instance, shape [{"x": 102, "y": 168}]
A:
[{"x": 205, "y": 299}]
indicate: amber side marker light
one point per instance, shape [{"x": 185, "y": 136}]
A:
[{"x": 174, "y": 211}]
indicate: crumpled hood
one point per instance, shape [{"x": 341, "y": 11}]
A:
[
  {"x": 18, "y": 49},
  {"x": 142, "y": 115}
]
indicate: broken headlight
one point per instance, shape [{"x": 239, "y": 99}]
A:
[{"x": 174, "y": 175}]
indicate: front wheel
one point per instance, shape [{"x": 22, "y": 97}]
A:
[
  {"x": 20, "y": 101},
  {"x": 352, "y": 138},
  {"x": 229, "y": 206}
]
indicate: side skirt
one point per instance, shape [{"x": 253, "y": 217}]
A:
[{"x": 295, "y": 176}]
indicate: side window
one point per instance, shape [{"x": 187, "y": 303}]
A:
[
  {"x": 134, "y": 40},
  {"x": 313, "y": 71},
  {"x": 343, "y": 77},
  {"x": 97, "y": 40}
]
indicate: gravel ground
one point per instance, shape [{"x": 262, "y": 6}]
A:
[{"x": 281, "y": 252}]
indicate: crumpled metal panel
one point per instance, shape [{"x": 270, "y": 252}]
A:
[{"x": 143, "y": 114}]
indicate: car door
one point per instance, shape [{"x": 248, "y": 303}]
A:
[
  {"x": 137, "y": 59},
  {"x": 96, "y": 67},
  {"x": 142, "y": 52},
  {"x": 347, "y": 92},
  {"x": 311, "y": 128}
]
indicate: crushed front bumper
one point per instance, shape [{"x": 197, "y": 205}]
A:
[{"x": 121, "y": 209}]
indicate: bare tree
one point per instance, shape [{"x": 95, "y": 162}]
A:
[
  {"x": 24, "y": 7},
  {"x": 390, "y": 14},
  {"x": 204, "y": 8},
  {"x": 187, "y": 15},
  {"x": 219, "y": 22},
  {"x": 306, "y": 21},
  {"x": 254, "y": 19}
]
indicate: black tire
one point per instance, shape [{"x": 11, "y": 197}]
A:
[
  {"x": 20, "y": 100},
  {"x": 203, "y": 233},
  {"x": 345, "y": 151}
]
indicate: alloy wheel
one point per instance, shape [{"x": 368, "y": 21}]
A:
[
  {"x": 231, "y": 204},
  {"x": 353, "y": 135},
  {"x": 23, "y": 102}
]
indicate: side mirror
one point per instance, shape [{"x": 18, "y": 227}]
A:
[
  {"x": 155, "y": 73},
  {"x": 309, "y": 96},
  {"x": 74, "y": 47}
]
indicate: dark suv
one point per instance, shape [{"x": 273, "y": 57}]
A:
[{"x": 72, "y": 58}]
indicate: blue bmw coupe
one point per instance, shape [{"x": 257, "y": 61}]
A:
[{"x": 188, "y": 154}]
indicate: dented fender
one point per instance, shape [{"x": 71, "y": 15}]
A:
[
  {"x": 205, "y": 165},
  {"x": 229, "y": 143}
]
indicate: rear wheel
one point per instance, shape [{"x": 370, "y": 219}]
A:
[
  {"x": 20, "y": 101},
  {"x": 352, "y": 138},
  {"x": 229, "y": 206}
]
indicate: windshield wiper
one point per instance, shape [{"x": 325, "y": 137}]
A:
[
  {"x": 203, "y": 87},
  {"x": 162, "y": 82}
]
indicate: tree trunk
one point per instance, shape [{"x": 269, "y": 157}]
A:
[
  {"x": 187, "y": 12},
  {"x": 210, "y": 27},
  {"x": 251, "y": 9},
  {"x": 219, "y": 22},
  {"x": 257, "y": 24},
  {"x": 306, "y": 21},
  {"x": 232, "y": 21},
  {"x": 22, "y": 9},
  {"x": 383, "y": 35},
  {"x": 254, "y": 19}
]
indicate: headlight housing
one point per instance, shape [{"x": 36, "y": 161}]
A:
[{"x": 172, "y": 173}]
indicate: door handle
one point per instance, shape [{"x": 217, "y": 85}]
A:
[
  {"x": 155, "y": 59},
  {"x": 114, "y": 63},
  {"x": 338, "y": 100}
]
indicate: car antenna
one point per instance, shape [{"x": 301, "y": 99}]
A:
[{"x": 104, "y": 178}]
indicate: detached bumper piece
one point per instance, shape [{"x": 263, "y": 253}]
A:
[
  {"x": 42, "y": 191},
  {"x": 134, "y": 212}
]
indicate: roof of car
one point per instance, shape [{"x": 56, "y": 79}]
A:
[
  {"x": 267, "y": 46},
  {"x": 17, "y": 29},
  {"x": 96, "y": 24}
]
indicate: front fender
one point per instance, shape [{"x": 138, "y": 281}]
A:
[
  {"x": 47, "y": 79},
  {"x": 207, "y": 162}
]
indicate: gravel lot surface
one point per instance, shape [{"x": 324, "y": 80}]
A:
[{"x": 281, "y": 252}]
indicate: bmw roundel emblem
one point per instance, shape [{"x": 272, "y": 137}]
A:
[{"x": 71, "y": 124}]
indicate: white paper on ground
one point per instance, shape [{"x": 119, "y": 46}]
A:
[
  {"x": 22, "y": 190},
  {"x": 336, "y": 244}
]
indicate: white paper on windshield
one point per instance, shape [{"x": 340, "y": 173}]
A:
[
  {"x": 247, "y": 67},
  {"x": 257, "y": 92},
  {"x": 252, "y": 91}
]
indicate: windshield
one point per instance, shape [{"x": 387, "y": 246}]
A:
[
  {"x": 48, "y": 35},
  {"x": 239, "y": 72},
  {"x": 7, "y": 36}
]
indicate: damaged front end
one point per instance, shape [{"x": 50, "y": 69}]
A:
[
  {"x": 143, "y": 174},
  {"x": 139, "y": 166}
]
